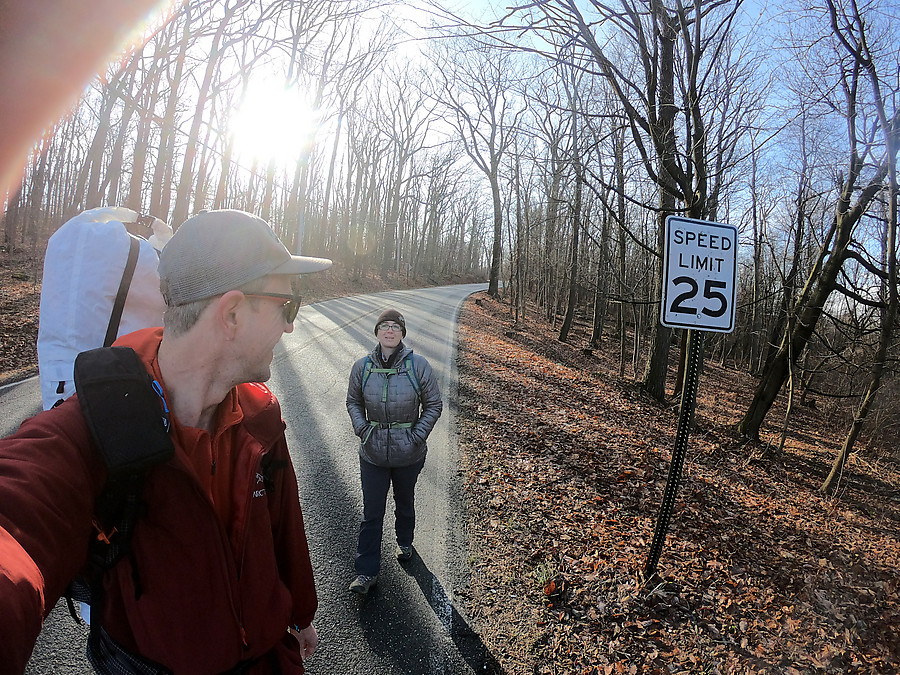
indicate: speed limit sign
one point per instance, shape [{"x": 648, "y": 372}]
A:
[{"x": 700, "y": 281}]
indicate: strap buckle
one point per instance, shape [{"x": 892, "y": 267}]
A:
[{"x": 103, "y": 535}]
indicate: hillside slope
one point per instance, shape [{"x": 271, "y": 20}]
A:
[{"x": 566, "y": 465}]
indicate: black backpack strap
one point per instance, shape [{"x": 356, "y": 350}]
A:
[
  {"x": 112, "y": 330},
  {"x": 413, "y": 376},
  {"x": 127, "y": 416},
  {"x": 123, "y": 408}
]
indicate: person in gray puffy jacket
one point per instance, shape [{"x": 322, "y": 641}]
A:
[{"x": 394, "y": 403}]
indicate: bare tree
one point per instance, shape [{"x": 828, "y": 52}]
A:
[
  {"x": 548, "y": 105},
  {"x": 671, "y": 111},
  {"x": 404, "y": 117},
  {"x": 571, "y": 79},
  {"x": 474, "y": 86},
  {"x": 218, "y": 46},
  {"x": 852, "y": 31},
  {"x": 871, "y": 152},
  {"x": 160, "y": 193}
]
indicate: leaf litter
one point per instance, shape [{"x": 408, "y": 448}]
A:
[{"x": 565, "y": 467}]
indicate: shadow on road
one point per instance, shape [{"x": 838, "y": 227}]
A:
[{"x": 379, "y": 629}]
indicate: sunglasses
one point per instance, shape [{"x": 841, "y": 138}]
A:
[{"x": 289, "y": 308}]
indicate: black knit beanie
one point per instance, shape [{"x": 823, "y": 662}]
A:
[{"x": 391, "y": 315}]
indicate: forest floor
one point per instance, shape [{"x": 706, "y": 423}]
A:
[{"x": 565, "y": 466}]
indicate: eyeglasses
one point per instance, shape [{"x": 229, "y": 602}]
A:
[
  {"x": 393, "y": 327},
  {"x": 289, "y": 309}
]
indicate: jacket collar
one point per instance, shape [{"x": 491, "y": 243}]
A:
[
  {"x": 399, "y": 354},
  {"x": 251, "y": 403}
]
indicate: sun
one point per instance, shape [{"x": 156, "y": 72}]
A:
[{"x": 273, "y": 122}]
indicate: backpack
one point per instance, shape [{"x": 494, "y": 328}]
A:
[
  {"x": 370, "y": 368},
  {"x": 128, "y": 418},
  {"x": 99, "y": 281},
  {"x": 410, "y": 371}
]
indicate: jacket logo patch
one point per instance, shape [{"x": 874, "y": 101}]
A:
[{"x": 262, "y": 491}]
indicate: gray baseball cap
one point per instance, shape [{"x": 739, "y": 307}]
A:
[{"x": 218, "y": 251}]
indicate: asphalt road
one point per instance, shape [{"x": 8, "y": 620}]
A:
[{"x": 411, "y": 623}]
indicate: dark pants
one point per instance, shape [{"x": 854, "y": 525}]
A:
[{"x": 375, "y": 483}]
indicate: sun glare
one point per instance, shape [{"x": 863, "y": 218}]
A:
[{"x": 273, "y": 122}]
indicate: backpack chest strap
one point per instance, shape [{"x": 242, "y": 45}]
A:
[
  {"x": 408, "y": 369},
  {"x": 388, "y": 372}
]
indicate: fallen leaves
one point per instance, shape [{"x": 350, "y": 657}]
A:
[
  {"x": 20, "y": 296},
  {"x": 566, "y": 466}
]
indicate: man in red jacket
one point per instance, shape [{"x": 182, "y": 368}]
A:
[{"x": 219, "y": 577}]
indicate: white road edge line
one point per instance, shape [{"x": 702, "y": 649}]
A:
[{"x": 17, "y": 382}]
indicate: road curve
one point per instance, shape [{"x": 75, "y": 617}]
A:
[{"x": 411, "y": 623}]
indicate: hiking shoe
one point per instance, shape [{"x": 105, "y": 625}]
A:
[
  {"x": 362, "y": 584},
  {"x": 403, "y": 553}
]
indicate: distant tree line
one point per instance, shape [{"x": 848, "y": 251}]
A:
[{"x": 153, "y": 133}]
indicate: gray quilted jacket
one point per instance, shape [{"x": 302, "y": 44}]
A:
[{"x": 391, "y": 420}]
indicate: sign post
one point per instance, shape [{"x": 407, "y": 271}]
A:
[{"x": 699, "y": 290}]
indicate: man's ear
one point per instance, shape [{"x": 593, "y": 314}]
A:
[{"x": 227, "y": 307}]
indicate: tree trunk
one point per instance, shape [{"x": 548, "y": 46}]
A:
[
  {"x": 654, "y": 380},
  {"x": 497, "y": 250},
  {"x": 116, "y": 162},
  {"x": 87, "y": 190},
  {"x": 39, "y": 179},
  {"x": 620, "y": 217},
  {"x": 134, "y": 199},
  {"x": 601, "y": 293},
  {"x": 161, "y": 189},
  {"x": 576, "y": 231},
  {"x": 138, "y": 165},
  {"x": 551, "y": 223},
  {"x": 182, "y": 195},
  {"x": 392, "y": 217},
  {"x": 11, "y": 218},
  {"x": 265, "y": 210},
  {"x": 810, "y": 305}
]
